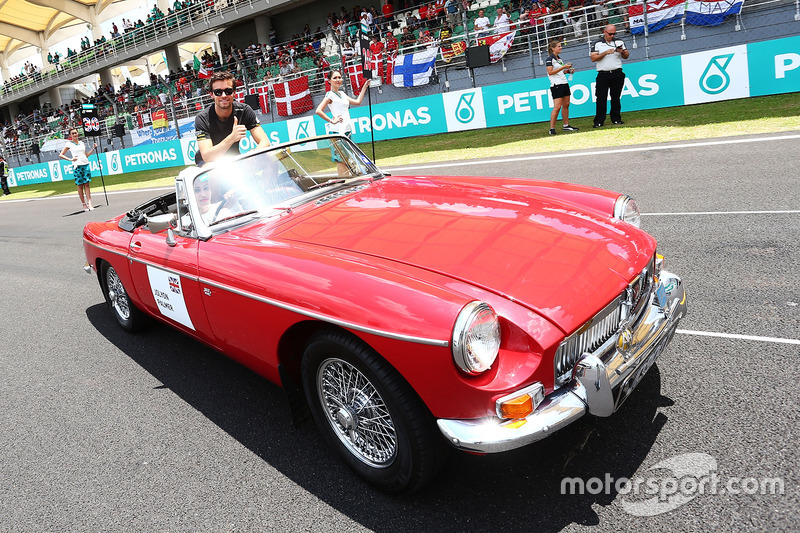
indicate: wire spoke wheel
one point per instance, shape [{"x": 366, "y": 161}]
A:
[
  {"x": 369, "y": 414},
  {"x": 357, "y": 413},
  {"x": 123, "y": 309},
  {"x": 117, "y": 295}
]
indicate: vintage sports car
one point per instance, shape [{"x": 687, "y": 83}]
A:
[{"x": 408, "y": 314}]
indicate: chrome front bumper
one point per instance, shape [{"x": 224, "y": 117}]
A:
[{"x": 600, "y": 382}]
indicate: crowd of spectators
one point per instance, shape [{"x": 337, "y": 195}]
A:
[{"x": 423, "y": 24}]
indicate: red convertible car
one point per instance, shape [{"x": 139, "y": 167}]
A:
[{"x": 408, "y": 314}]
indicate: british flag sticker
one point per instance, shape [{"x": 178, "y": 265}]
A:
[{"x": 174, "y": 285}]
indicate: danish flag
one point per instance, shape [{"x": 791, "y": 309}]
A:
[
  {"x": 376, "y": 64},
  {"x": 356, "y": 73},
  {"x": 389, "y": 70},
  {"x": 293, "y": 97},
  {"x": 263, "y": 96}
]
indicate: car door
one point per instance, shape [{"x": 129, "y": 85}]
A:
[{"x": 165, "y": 276}]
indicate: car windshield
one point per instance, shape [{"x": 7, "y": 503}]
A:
[{"x": 270, "y": 179}]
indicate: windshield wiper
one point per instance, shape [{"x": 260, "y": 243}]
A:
[{"x": 236, "y": 215}]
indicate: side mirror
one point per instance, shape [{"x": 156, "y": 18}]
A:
[{"x": 171, "y": 238}]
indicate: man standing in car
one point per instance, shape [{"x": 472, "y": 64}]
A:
[
  {"x": 608, "y": 53},
  {"x": 224, "y": 123}
]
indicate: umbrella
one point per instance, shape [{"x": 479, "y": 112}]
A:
[{"x": 53, "y": 145}]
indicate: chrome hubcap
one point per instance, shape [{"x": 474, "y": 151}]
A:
[{"x": 357, "y": 413}]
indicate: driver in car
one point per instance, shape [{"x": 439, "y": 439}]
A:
[{"x": 212, "y": 212}]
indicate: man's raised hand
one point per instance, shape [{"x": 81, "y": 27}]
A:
[{"x": 239, "y": 131}]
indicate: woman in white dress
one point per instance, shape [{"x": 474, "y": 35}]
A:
[
  {"x": 339, "y": 105},
  {"x": 80, "y": 167}
]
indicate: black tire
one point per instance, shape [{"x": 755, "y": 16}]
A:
[
  {"x": 129, "y": 317},
  {"x": 372, "y": 418}
]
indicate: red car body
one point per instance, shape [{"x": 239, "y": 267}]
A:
[{"x": 391, "y": 262}]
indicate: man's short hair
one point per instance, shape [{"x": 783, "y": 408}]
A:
[{"x": 221, "y": 75}]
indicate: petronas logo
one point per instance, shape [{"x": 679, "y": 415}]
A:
[
  {"x": 115, "y": 163},
  {"x": 715, "y": 78},
  {"x": 464, "y": 111},
  {"x": 191, "y": 149},
  {"x": 302, "y": 131}
]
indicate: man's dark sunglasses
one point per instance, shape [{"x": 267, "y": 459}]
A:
[{"x": 218, "y": 92}]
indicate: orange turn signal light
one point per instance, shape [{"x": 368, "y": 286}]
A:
[
  {"x": 518, "y": 407},
  {"x": 521, "y": 403},
  {"x": 514, "y": 424}
]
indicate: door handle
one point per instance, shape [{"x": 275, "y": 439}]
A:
[{"x": 136, "y": 246}]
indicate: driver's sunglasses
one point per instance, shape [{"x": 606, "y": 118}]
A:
[{"x": 218, "y": 92}]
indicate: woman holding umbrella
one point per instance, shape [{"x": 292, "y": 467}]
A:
[{"x": 80, "y": 167}]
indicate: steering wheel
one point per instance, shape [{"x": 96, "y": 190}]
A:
[{"x": 216, "y": 213}]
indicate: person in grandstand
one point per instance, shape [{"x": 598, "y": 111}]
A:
[
  {"x": 501, "y": 21},
  {"x": 559, "y": 87},
  {"x": 224, "y": 123},
  {"x": 482, "y": 24},
  {"x": 339, "y": 104}
]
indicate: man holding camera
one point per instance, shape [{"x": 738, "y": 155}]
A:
[{"x": 608, "y": 53}]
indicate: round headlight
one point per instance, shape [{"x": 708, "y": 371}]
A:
[
  {"x": 626, "y": 210},
  {"x": 476, "y": 338}
]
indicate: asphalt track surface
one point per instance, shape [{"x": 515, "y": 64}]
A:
[{"x": 105, "y": 431}]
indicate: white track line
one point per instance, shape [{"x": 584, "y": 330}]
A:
[
  {"x": 600, "y": 152},
  {"x": 740, "y": 337},
  {"x": 97, "y": 194},
  {"x": 692, "y": 213}
]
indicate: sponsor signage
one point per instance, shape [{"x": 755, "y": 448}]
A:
[
  {"x": 715, "y": 75},
  {"x": 774, "y": 66},
  {"x": 755, "y": 69},
  {"x": 31, "y": 174},
  {"x": 463, "y": 110},
  {"x": 393, "y": 120},
  {"x": 113, "y": 162}
]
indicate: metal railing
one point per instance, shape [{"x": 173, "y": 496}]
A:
[{"x": 191, "y": 20}]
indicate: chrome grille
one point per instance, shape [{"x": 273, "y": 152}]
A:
[
  {"x": 587, "y": 339},
  {"x": 627, "y": 307}
]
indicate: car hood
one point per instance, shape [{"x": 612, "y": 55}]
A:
[{"x": 550, "y": 256}]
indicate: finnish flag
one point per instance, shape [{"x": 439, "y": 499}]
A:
[{"x": 411, "y": 70}]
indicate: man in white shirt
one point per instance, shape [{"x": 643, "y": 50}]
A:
[
  {"x": 608, "y": 53},
  {"x": 501, "y": 22},
  {"x": 482, "y": 24}
]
